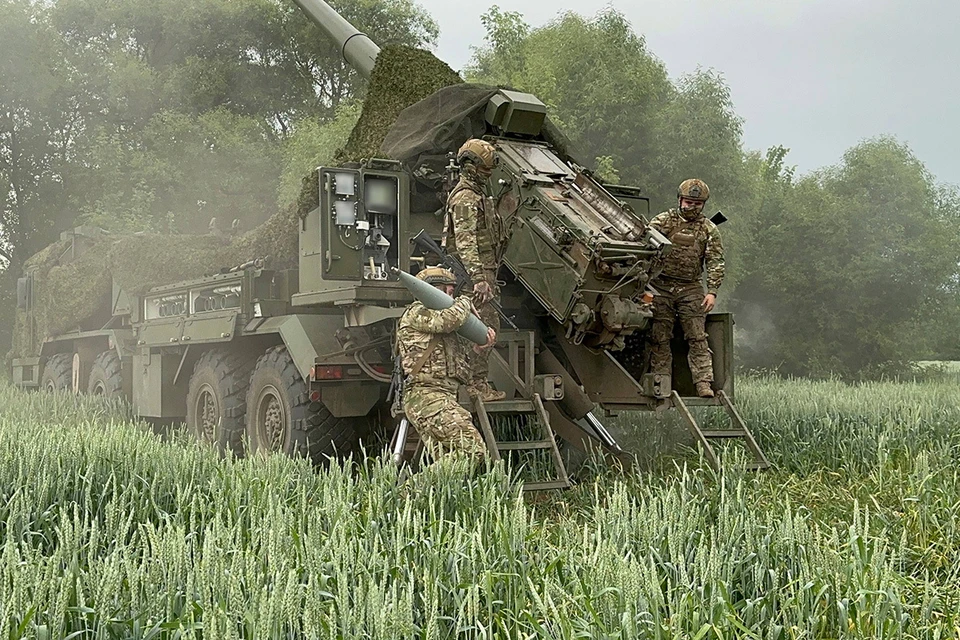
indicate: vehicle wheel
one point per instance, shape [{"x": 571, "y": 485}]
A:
[
  {"x": 105, "y": 377},
  {"x": 57, "y": 373},
  {"x": 281, "y": 418},
  {"x": 216, "y": 399}
]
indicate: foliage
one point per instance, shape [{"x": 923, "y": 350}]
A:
[
  {"x": 852, "y": 270},
  {"x": 311, "y": 143},
  {"x": 135, "y": 537},
  {"x": 851, "y": 265},
  {"x": 187, "y": 171},
  {"x": 42, "y": 106},
  {"x": 260, "y": 58},
  {"x": 158, "y": 115}
]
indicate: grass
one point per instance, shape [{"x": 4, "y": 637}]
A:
[{"x": 107, "y": 531}]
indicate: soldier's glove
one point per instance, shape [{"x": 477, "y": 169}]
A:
[
  {"x": 491, "y": 340},
  {"x": 482, "y": 293}
]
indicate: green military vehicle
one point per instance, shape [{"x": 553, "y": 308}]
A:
[{"x": 300, "y": 360}]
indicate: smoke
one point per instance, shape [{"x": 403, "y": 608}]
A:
[{"x": 755, "y": 334}]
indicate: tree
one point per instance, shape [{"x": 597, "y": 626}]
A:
[
  {"x": 41, "y": 115},
  {"x": 852, "y": 264},
  {"x": 197, "y": 100},
  {"x": 311, "y": 144},
  {"x": 159, "y": 114},
  {"x": 184, "y": 171},
  {"x": 260, "y": 58}
]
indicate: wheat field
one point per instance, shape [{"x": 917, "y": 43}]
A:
[{"x": 109, "y": 531}]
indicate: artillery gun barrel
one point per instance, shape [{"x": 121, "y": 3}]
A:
[{"x": 357, "y": 49}]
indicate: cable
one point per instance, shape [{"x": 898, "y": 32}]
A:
[{"x": 370, "y": 371}]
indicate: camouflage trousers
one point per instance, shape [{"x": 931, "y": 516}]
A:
[
  {"x": 480, "y": 362},
  {"x": 684, "y": 302},
  {"x": 445, "y": 427}
]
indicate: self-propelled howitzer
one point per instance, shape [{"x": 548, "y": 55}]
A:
[
  {"x": 298, "y": 360},
  {"x": 578, "y": 255}
]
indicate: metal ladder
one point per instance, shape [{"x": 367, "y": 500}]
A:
[
  {"x": 704, "y": 436},
  {"x": 515, "y": 375},
  {"x": 406, "y": 444},
  {"x": 546, "y": 442}
]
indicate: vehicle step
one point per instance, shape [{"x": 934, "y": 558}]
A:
[
  {"x": 723, "y": 433},
  {"x": 525, "y": 445},
  {"x": 546, "y": 485},
  {"x": 509, "y": 406}
]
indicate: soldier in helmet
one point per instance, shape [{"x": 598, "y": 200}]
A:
[
  {"x": 475, "y": 234},
  {"x": 697, "y": 248},
  {"x": 434, "y": 359}
]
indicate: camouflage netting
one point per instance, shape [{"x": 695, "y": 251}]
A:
[
  {"x": 401, "y": 76},
  {"x": 277, "y": 241},
  {"x": 425, "y": 132},
  {"x": 69, "y": 293},
  {"x": 140, "y": 262}
]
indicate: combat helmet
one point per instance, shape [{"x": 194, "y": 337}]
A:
[
  {"x": 694, "y": 189},
  {"x": 437, "y": 275},
  {"x": 479, "y": 152}
]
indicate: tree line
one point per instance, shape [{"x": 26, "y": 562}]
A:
[
  {"x": 851, "y": 270},
  {"x": 139, "y": 115}
]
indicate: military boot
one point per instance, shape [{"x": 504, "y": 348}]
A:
[
  {"x": 704, "y": 390},
  {"x": 482, "y": 389}
]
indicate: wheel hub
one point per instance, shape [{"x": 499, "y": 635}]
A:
[
  {"x": 271, "y": 419},
  {"x": 208, "y": 413}
]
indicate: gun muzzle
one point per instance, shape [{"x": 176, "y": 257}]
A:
[{"x": 432, "y": 298}]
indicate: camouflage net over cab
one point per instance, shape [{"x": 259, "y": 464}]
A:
[{"x": 277, "y": 241}]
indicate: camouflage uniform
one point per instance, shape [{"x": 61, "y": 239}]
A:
[
  {"x": 430, "y": 394},
  {"x": 697, "y": 246},
  {"x": 475, "y": 237}
]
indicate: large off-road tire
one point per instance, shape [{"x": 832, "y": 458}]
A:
[
  {"x": 216, "y": 399},
  {"x": 281, "y": 418},
  {"x": 57, "y": 373},
  {"x": 106, "y": 378}
]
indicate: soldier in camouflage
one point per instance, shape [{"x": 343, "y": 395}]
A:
[
  {"x": 434, "y": 359},
  {"x": 474, "y": 234},
  {"x": 697, "y": 247}
]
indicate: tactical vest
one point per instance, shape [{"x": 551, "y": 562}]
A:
[
  {"x": 685, "y": 261},
  {"x": 433, "y": 359},
  {"x": 488, "y": 231}
]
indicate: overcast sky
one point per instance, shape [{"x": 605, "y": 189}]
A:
[{"x": 816, "y": 76}]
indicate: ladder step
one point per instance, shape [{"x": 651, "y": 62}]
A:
[
  {"x": 723, "y": 433},
  {"x": 758, "y": 466},
  {"x": 509, "y": 406},
  {"x": 524, "y": 445},
  {"x": 696, "y": 401},
  {"x": 546, "y": 485}
]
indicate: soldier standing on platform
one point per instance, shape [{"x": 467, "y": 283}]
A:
[{"x": 697, "y": 248}]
